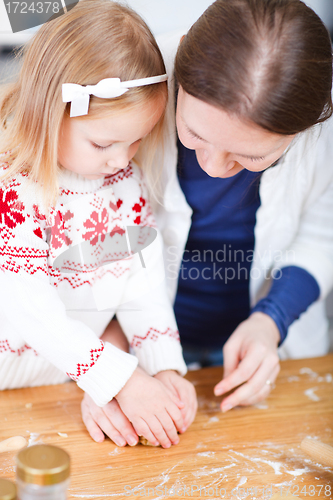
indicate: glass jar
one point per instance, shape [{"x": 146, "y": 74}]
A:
[
  {"x": 42, "y": 472},
  {"x": 7, "y": 490}
]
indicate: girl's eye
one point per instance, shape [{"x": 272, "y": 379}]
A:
[{"x": 100, "y": 148}]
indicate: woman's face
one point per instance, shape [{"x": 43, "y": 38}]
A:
[{"x": 223, "y": 143}]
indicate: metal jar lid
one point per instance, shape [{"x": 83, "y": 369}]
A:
[
  {"x": 7, "y": 490},
  {"x": 42, "y": 464}
]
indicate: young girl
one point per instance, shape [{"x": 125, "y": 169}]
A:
[{"x": 77, "y": 234}]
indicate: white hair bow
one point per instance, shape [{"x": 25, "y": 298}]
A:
[{"x": 79, "y": 96}]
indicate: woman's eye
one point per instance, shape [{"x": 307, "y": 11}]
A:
[
  {"x": 193, "y": 135},
  {"x": 256, "y": 158}
]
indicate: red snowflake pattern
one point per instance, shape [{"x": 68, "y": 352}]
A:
[
  {"x": 38, "y": 232},
  {"x": 58, "y": 230},
  {"x": 117, "y": 230},
  {"x": 38, "y": 215},
  {"x": 137, "y": 207},
  {"x": 97, "y": 227},
  {"x": 10, "y": 208}
]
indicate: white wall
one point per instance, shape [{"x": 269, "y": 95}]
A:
[
  {"x": 168, "y": 15},
  {"x": 160, "y": 15},
  {"x": 324, "y": 9}
]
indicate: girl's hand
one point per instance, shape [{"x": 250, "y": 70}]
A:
[
  {"x": 152, "y": 408},
  {"x": 184, "y": 390},
  {"x": 250, "y": 361},
  {"x": 109, "y": 420}
]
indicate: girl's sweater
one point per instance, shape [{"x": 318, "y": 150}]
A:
[{"x": 65, "y": 273}]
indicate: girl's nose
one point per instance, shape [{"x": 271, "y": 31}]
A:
[{"x": 120, "y": 159}]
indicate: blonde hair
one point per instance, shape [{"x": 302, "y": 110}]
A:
[{"x": 97, "y": 39}]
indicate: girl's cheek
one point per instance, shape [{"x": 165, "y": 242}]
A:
[{"x": 133, "y": 150}]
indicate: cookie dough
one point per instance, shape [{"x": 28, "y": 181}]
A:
[{"x": 145, "y": 442}]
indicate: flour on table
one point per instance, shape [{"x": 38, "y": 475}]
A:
[
  {"x": 310, "y": 393},
  {"x": 34, "y": 438}
]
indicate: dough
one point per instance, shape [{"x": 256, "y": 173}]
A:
[{"x": 145, "y": 442}]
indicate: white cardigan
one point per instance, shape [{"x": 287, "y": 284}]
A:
[{"x": 294, "y": 221}]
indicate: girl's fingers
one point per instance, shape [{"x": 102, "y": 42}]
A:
[
  {"x": 175, "y": 398},
  {"x": 121, "y": 423},
  {"x": 191, "y": 405},
  {"x": 108, "y": 420},
  {"x": 108, "y": 428},
  {"x": 93, "y": 429},
  {"x": 177, "y": 419},
  {"x": 142, "y": 429},
  {"x": 164, "y": 429}
]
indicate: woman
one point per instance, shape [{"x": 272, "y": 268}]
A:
[{"x": 247, "y": 204}]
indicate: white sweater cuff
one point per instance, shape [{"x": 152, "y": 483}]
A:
[
  {"x": 109, "y": 375},
  {"x": 166, "y": 354}
]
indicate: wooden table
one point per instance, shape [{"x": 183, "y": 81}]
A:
[{"x": 251, "y": 453}]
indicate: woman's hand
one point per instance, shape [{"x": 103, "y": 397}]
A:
[
  {"x": 184, "y": 390},
  {"x": 109, "y": 420},
  {"x": 153, "y": 409},
  {"x": 250, "y": 361}
]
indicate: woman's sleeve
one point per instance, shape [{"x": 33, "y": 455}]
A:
[
  {"x": 31, "y": 307},
  {"x": 293, "y": 290},
  {"x": 303, "y": 273},
  {"x": 312, "y": 248}
]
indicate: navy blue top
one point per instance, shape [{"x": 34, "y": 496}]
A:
[{"x": 213, "y": 290}]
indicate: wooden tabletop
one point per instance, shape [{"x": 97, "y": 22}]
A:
[{"x": 251, "y": 453}]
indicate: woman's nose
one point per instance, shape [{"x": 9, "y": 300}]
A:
[{"x": 215, "y": 163}]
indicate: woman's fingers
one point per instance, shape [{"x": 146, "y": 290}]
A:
[
  {"x": 263, "y": 392},
  {"x": 244, "y": 371},
  {"x": 254, "y": 390}
]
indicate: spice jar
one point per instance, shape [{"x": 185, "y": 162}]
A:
[
  {"x": 7, "y": 490},
  {"x": 42, "y": 472}
]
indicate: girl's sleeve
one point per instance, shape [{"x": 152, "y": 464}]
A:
[
  {"x": 146, "y": 314},
  {"x": 31, "y": 307}
]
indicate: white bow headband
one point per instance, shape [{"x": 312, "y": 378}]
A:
[{"x": 108, "y": 88}]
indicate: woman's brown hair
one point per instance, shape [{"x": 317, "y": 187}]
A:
[
  {"x": 267, "y": 61},
  {"x": 97, "y": 39}
]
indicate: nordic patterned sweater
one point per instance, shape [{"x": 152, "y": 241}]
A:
[{"x": 65, "y": 272}]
